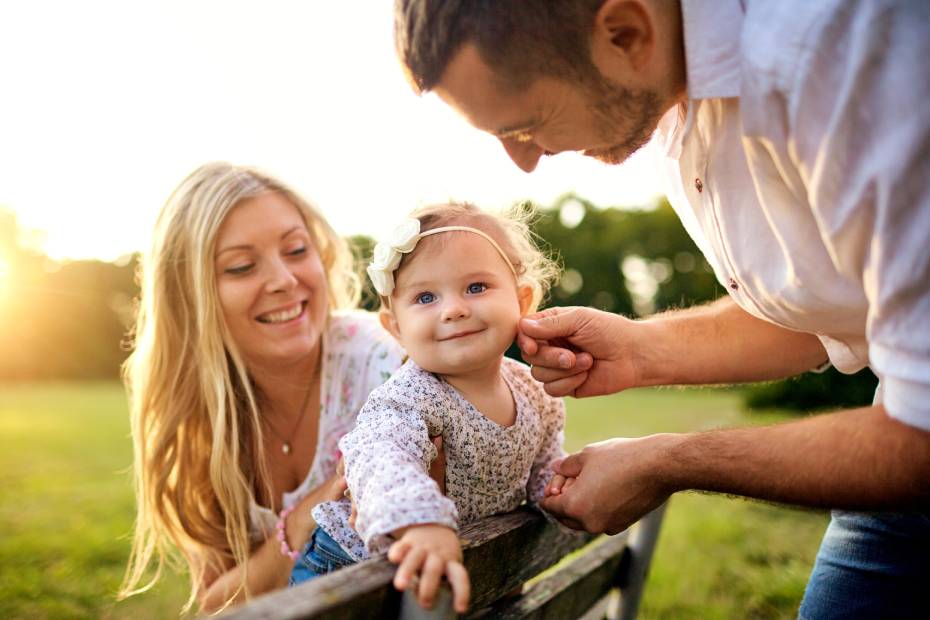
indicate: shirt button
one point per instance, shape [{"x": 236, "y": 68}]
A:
[
  {"x": 699, "y": 185},
  {"x": 733, "y": 284}
]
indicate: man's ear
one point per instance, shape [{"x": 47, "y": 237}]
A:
[
  {"x": 389, "y": 322},
  {"x": 623, "y": 37},
  {"x": 525, "y": 295}
]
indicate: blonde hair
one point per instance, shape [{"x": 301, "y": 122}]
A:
[
  {"x": 195, "y": 420},
  {"x": 510, "y": 228}
]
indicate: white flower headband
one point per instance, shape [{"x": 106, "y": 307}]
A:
[{"x": 403, "y": 240}]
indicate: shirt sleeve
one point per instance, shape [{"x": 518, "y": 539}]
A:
[
  {"x": 383, "y": 359},
  {"x": 550, "y": 449},
  {"x": 387, "y": 459},
  {"x": 856, "y": 109}
]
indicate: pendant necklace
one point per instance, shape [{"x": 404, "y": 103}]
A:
[{"x": 286, "y": 444}]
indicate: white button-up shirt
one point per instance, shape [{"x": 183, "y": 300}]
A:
[{"x": 801, "y": 168}]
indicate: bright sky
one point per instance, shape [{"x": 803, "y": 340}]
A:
[{"x": 106, "y": 105}]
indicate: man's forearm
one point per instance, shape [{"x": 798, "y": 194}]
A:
[
  {"x": 859, "y": 459},
  {"x": 721, "y": 343}
]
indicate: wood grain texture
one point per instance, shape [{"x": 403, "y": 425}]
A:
[
  {"x": 501, "y": 553},
  {"x": 572, "y": 589}
]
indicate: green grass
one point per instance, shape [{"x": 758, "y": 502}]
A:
[
  {"x": 66, "y": 510},
  {"x": 717, "y": 557}
]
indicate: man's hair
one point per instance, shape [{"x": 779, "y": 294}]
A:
[{"x": 521, "y": 40}]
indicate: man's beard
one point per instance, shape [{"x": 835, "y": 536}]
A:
[{"x": 617, "y": 107}]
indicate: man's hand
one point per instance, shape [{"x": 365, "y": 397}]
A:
[
  {"x": 580, "y": 351},
  {"x": 430, "y": 551},
  {"x": 609, "y": 485}
]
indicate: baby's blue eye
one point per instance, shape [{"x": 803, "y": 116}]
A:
[
  {"x": 426, "y": 298},
  {"x": 477, "y": 287}
]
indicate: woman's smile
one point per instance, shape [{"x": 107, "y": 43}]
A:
[{"x": 285, "y": 315}]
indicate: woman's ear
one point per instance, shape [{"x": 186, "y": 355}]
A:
[
  {"x": 525, "y": 295},
  {"x": 389, "y": 322}
]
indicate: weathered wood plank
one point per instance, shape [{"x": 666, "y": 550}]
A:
[
  {"x": 500, "y": 552},
  {"x": 524, "y": 545},
  {"x": 572, "y": 589},
  {"x": 356, "y": 592}
]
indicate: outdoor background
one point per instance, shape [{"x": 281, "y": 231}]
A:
[
  {"x": 66, "y": 504},
  {"x": 108, "y": 104}
]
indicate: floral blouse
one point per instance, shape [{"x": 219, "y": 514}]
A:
[
  {"x": 358, "y": 356},
  {"x": 490, "y": 468}
]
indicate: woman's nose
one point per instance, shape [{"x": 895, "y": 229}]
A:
[
  {"x": 280, "y": 277},
  {"x": 525, "y": 154}
]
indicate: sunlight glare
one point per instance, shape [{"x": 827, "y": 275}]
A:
[{"x": 4, "y": 276}]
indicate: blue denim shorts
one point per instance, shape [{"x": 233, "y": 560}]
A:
[
  {"x": 871, "y": 565},
  {"x": 321, "y": 555}
]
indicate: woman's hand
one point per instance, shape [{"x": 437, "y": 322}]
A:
[
  {"x": 430, "y": 551},
  {"x": 299, "y": 524}
]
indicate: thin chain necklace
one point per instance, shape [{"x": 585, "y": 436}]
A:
[{"x": 286, "y": 447}]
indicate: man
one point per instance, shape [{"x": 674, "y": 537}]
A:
[{"x": 795, "y": 138}]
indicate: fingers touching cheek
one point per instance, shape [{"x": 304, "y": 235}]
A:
[
  {"x": 528, "y": 345},
  {"x": 566, "y": 386}
]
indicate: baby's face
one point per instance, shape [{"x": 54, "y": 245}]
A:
[{"x": 456, "y": 304}]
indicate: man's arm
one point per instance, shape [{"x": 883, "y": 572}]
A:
[
  {"x": 722, "y": 343},
  {"x": 586, "y": 352},
  {"x": 858, "y": 459}
]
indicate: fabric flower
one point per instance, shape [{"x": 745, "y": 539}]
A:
[
  {"x": 385, "y": 257},
  {"x": 405, "y": 237},
  {"x": 381, "y": 279},
  {"x": 388, "y": 253}
]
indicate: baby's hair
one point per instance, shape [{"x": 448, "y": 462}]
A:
[{"x": 510, "y": 228}]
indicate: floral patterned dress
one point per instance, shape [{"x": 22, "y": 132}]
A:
[
  {"x": 490, "y": 468},
  {"x": 358, "y": 356}
]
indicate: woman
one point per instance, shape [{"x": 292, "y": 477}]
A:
[{"x": 244, "y": 375}]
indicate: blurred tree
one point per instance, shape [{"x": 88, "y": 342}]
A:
[
  {"x": 642, "y": 261},
  {"x": 628, "y": 261},
  {"x": 68, "y": 320},
  {"x": 362, "y": 248},
  {"x": 61, "y": 321}
]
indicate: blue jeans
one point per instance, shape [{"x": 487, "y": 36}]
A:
[
  {"x": 871, "y": 565},
  {"x": 319, "y": 556}
]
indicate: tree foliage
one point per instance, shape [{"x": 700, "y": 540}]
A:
[{"x": 70, "y": 320}]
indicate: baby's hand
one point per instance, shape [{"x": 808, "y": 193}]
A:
[
  {"x": 430, "y": 551},
  {"x": 558, "y": 484}
]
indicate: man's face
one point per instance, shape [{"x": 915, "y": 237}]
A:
[{"x": 599, "y": 119}]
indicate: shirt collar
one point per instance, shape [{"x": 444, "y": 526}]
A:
[{"x": 712, "y": 32}]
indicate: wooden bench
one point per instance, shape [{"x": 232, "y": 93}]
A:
[{"x": 501, "y": 553}]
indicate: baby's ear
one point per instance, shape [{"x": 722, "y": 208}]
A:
[
  {"x": 389, "y": 322},
  {"x": 525, "y": 295}
]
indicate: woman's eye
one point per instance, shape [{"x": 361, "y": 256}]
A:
[
  {"x": 238, "y": 269},
  {"x": 298, "y": 251},
  {"x": 477, "y": 287},
  {"x": 426, "y": 298}
]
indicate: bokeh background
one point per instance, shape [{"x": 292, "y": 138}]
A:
[{"x": 107, "y": 105}]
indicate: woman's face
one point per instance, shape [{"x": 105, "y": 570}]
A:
[{"x": 271, "y": 283}]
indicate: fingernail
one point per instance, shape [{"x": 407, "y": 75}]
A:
[
  {"x": 531, "y": 322},
  {"x": 564, "y": 362}
]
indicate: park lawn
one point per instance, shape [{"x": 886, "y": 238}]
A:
[{"x": 66, "y": 511}]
